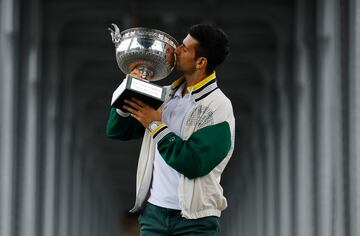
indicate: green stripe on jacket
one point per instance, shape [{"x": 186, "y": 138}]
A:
[
  {"x": 198, "y": 155},
  {"x": 123, "y": 128}
]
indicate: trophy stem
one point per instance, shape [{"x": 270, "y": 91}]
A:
[{"x": 145, "y": 72}]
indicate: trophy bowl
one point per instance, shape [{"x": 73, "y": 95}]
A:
[{"x": 149, "y": 50}]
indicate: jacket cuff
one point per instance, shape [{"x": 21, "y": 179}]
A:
[
  {"x": 121, "y": 113},
  {"x": 159, "y": 132}
]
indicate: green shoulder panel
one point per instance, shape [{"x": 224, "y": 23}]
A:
[
  {"x": 198, "y": 155},
  {"x": 123, "y": 128}
]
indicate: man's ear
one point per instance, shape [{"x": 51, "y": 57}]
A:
[{"x": 201, "y": 63}]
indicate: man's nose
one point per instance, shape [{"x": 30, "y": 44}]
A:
[{"x": 176, "y": 51}]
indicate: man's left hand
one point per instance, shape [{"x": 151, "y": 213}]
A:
[{"x": 144, "y": 113}]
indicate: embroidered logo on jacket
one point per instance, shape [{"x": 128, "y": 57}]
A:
[{"x": 200, "y": 117}]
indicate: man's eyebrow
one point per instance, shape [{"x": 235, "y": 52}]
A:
[{"x": 184, "y": 44}]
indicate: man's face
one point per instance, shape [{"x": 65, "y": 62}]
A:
[{"x": 185, "y": 55}]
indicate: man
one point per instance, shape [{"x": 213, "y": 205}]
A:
[{"x": 186, "y": 143}]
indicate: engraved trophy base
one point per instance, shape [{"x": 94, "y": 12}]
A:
[{"x": 151, "y": 94}]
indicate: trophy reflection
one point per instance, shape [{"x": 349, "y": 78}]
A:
[{"x": 148, "y": 55}]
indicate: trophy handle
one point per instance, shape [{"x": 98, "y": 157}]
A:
[{"x": 115, "y": 34}]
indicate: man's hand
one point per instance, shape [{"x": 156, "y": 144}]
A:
[{"x": 144, "y": 113}]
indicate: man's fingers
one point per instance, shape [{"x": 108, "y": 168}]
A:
[
  {"x": 135, "y": 116},
  {"x": 133, "y": 104},
  {"x": 130, "y": 109},
  {"x": 139, "y": 102}
]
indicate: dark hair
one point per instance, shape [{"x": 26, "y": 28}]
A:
[{"x": 213, "y": 44}]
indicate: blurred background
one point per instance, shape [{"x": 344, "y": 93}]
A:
[{"x": 293, "y": 78}]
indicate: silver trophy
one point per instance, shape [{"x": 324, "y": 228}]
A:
[{"x": 151, "y": 52}]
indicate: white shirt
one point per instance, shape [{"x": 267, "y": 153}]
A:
[{"x": 165, "y": 182}]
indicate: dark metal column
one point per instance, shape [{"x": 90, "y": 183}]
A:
[{"x": 9, "y": 79}]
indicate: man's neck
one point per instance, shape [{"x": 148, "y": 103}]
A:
[{"x": 193, "y": 79}]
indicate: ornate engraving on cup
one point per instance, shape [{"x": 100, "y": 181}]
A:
[{"x": 149, "y": 50}]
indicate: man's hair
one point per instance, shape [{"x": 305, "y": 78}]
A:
[{"x": 213, "y": 44}]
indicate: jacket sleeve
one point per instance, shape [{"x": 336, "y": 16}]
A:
[
  {"x": 123, "y": 127},
  {"x": 198, "y": 155}
]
